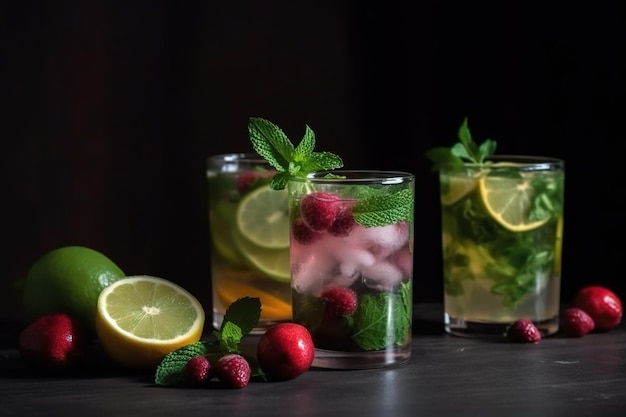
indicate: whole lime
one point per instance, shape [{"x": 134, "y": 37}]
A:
[{"x": 68, "y": 280}]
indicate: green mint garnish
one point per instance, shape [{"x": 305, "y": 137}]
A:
[
  {"x": 269, "y": 141},
  {"x": 466, "y": 150},
  {"x": 371, "y": 320},
  {"x": 241, "y": 317},
  {"x": 375, "y": 207},
  {"x": 383, "y": 209}
]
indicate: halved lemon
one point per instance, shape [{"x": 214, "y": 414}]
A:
[
  {"x": 273, "y": 263},
  {"x": 263, "y": 218},
  {"x": 458, "y": 187},
  {"x": 272, "y": 307},
  {"x": 508, "y": 201},
  {"x": 140, "y": 319}
]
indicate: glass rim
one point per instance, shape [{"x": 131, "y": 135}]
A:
[
  {"x": 356, "y": 176},
  {"x": 519, "y": 161},
  {"x": 237, "y": 156}
]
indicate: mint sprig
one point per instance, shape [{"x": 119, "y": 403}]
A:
[
  {"x": 465, "y": 150},
  {"x": 377, "y": 208},
  {"x": 240, "y": 318},
  {"x": 269, "y": 141}
]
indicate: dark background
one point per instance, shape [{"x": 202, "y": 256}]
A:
[{"x": 111, "y": 107}]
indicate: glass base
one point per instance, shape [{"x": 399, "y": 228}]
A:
[
  {"x": 332, "y": 359},
  {"x": 261, "y": 327},
  {"x": 464, "y": 328}
]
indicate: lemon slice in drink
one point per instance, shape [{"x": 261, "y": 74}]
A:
[
  {"x": 273, "y": 263},
  {"x": 263, "y": 218},
  {"x": 458, "y": 187},
  {"x": 221, "y": 226},
  {"x": 508, "y": 201},
  {"x": 140, "y": 319}
]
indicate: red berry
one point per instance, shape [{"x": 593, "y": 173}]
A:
[
  {"x": 523, "y": 331},
  {"x": 233, "y": 370},
  {"x": 53, "y": 341},
  {"x": 245, "y": 180},
  {"x": 343, "y": 224},
  {"x": 576, "y": 323},
  {"x": 198, "y": 370},
  {"x": 340, "y": 301},
  {"x": 319, "y": 210},
  {"x": 303, "y": 233},
  {"x": 285, "y": 351},
  {"x": 602, "y": 304}
]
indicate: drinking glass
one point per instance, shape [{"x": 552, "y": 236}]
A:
[
  {"x": 502, "y": 234},
  {"x": 352, "y": 265},
  {"x": 249, "y": 237}
]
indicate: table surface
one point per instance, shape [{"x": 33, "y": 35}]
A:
[{"x": 446, "y": 375}]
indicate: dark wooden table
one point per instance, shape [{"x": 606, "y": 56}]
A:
[{"x": 446, "y": 376}]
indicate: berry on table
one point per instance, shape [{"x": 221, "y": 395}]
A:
[
  {"x": 576, "y": 323},
  {"x": 523, "y": 331},
  {"x": 198, "y": 370},
  {"x": 233, "y": 370},
  {"x": 602, "y": 304}
]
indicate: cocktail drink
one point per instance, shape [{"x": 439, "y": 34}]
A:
[
  {"x": 249, "y": 237},
  {"x": 502, "y": 228},
  {"x": 352, "y": 265}
]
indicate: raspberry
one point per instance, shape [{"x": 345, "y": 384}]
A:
[
  {"x": 576, "y": 322},
  {"x": 523, "y": 331},
  {"x": 233, "y": 370},
  {"x": 602, "y": 304},
  {"x": 303, "y": 234},
  {"x": 343, "y": 224},
  {"x": 340, "y": 301},
  {"x": 319, "y": 210},
  {"x": 245, "y": 180},
  {"x": 198, "y": 370}
]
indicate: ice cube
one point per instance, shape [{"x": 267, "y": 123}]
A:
[
  {"x": 311, "y": 270},
  {"x": 382, "y": 241},
  {"x": 382, "y": 276}
]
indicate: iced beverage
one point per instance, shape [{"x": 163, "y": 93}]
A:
[
  {"x": 352, "y": 265},
  {"x": 249, "y": 237},
  {"x": 502, "y": 230}
]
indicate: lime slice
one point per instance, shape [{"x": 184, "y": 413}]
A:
[
  {"x": 222, "y": 220},
  {"x": 263, "y": 218},
  {"x": 458, "y": 187},
  {"x": 508, "y": 201},
  {"x": 273, "y": 263}
]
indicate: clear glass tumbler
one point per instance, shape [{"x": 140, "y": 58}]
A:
[
  {"x": 352, "y": 265},
  {"x": 502, "y": 234},
  {"x": 249, "y": 237}
]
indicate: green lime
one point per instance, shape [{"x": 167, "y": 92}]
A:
[
  {"x": 68, "y": 280},
  {"x": 263, "y": 218},
  {"x": 273, "y": 263}
]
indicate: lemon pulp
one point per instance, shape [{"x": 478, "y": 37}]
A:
[
  {"x": 508, "y": 201},
  {"x": 141, "y": 319},
  {"x": 263, "y": 218}
]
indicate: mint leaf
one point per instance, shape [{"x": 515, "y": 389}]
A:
[
  {"x": 466, "y": 149},
  {"x": 384, "y": 209},
  {"x": 374, "y": 315},
  {"x": 245, "y": 313},
  {"x": 171, "y": 370},
  {"x": 269, "y": 141}
]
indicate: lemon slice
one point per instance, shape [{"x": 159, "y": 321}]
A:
[
  {"x": 140, "y": 319},
  {"x": 508, "y": 201},
  {"x": 263, "y": 218},
  {"x": 458, "y": 187},
  {"x": 272, "y": 307},
  {"x": 273, "y": 263}
]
